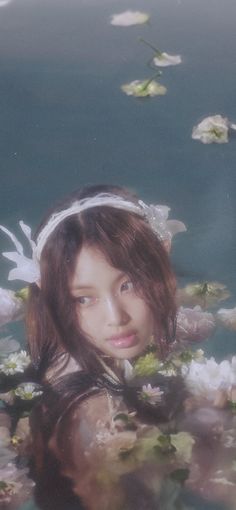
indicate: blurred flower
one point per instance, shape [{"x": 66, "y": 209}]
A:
[
  {"x": 23, "y": 293},
  {"x": 178, "y": 362},
  {"x": 227, "y": 317},
  {"x": 152, "y": 395},
  {"x": 144, "y": 88},
  {"x": 11, "y": 307},
  {"x": 203, "y": 293},
  {"x": 15, "y": 363},
  {"x": 163, "y": 59},
  {"x": 16, "y": 440},
  {"x": 28, "y": 391},
  {"x": 183, "y": 443},
  {"x": 128, "y": 18},
  {"x": 146, "y": 365},
  {"x": 193, "y": 324},
  {"x": 7, "y": 345},
  {"x": 208, "y": 378},
  {"x": 213, "y": 129},
  {"x": 13, "y": 480}
]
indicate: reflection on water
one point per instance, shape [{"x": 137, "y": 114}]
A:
[{"x": 66, "y": 122}]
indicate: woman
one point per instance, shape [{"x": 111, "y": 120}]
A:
[
  {"x": 101, "y": 315},
  {"x": 106, "y": 291}
]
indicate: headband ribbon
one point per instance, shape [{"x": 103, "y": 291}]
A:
[{"x": 28, "y": 269}]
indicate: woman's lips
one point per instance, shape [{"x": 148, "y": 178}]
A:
[{"x": 124, "y": 341}]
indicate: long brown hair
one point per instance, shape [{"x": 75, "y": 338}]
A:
[{"x": 129, "y": 244}]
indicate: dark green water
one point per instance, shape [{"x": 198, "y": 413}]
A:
[{"x": 64, "y": 122}]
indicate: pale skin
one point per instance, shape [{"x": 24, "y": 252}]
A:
[{"x": 111, "y": 314}]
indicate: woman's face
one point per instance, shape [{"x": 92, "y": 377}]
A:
[{"x": 113, "y": 317}]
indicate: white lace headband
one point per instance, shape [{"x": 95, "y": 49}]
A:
[{"x": 28, "y": 269}]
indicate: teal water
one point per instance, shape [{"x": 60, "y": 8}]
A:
[{"x": 65, "y": 122}]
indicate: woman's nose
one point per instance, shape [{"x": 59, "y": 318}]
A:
[{"x": 116, "y": 313}]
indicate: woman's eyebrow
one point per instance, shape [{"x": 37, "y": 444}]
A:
[
  {"x": 82, "y": 287},
  {"x": 85, "y": 286}
]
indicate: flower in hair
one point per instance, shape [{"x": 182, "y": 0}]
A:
[
  {"x": 26, "y": 269},
  {"x": 157, "y": 217}
]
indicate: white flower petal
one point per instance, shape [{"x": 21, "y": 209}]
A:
[
  {"x": 28, "y": 391},
  {"x": 15, "y": 363},
  {"x": 144, "y": 88},
  {"x": 11, "y": 307},
  {"x": 206, "y": 379},
  {"x": 129, "y": 18},
  {"x": 212, "y": 129},
  {"x": 17, "y": 244},
  {"x": 27, "y": 231},
  {"x": 164, "y": 60},
  {"x": 227, "y": 317}
]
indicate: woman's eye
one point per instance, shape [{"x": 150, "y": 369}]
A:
[
  {"x": 85, "y": 300},
  {"x": 127, "y": 286}
]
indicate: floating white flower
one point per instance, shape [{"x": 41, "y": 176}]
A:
[
  {"x": 11, "y": 307},
  {"x": 163, "y": 59},
  {"x": 194, "y": 324},
  {"x": 152, "y": 395},
  {"x": 203, "y": 293},
  {"x": 206, "y": 379},
  {"x": 213, "y": 129},
  {"x": 227, "y": 317},
  {"x": 15, "y": 363},
  {"x": 28, "y": 391},
  {"x": 144, "y": 88},
  {"x": 129, "y": 18}
]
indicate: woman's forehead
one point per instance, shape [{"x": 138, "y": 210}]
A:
[{"x": 92, "y": 269}]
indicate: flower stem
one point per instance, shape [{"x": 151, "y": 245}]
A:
[{"x": 158, "y": 52}]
